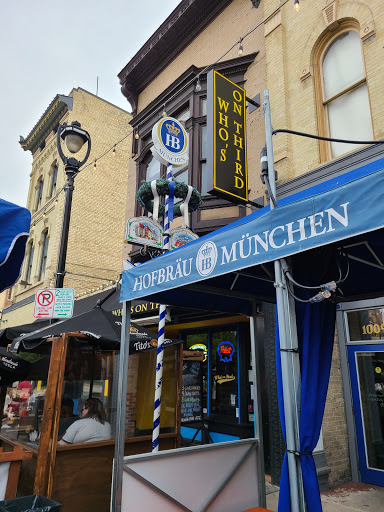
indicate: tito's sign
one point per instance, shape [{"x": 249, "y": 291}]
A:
[{"x": 227, "y": 152}]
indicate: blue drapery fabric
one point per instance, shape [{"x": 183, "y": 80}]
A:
[
  {"x": 14, "y": 231},
  {"x": 315, "y": 331}
]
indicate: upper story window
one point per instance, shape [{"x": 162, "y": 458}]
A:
[
  {"x": 345, "y": 109},
  {"x": 53, "y": 181},
  {"x": 153, "y": 170},
  {"x": 44, "y": 253},
  {"x": 28, "y": 272},
  {"x": 39, "y": 196}
]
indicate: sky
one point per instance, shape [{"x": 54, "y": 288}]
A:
[{"x": 48, "y": 48}]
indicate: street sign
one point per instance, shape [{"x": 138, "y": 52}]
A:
[{"x": 54, "y": 303}]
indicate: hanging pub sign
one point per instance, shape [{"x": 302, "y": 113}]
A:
[
  {"x": 144, "y": 231},
  {"x": 226, "y": 139},
  {"x": 181, "y": 236},
  {"x": 170, "y": 142}
]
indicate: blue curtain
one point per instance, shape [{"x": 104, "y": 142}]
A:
[{"x": 315, "y": 330}]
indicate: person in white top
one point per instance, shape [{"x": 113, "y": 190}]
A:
[{"x": 92, "y": 427}]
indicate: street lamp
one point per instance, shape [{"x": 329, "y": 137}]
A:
[{"x": 74, "y": 137}]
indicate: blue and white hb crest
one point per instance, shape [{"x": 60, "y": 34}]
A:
[
  {"x": 170, "y": 142},
  {"x": 206, "y": 258}
]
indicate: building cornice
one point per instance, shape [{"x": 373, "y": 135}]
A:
[
  {"x": 52, "y": 115},
  {"x": 231, "y": 67},
  {"x": 181, "y": 27}
]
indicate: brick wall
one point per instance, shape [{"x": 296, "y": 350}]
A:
[
  {"x": 335, "y": 434},
  {"x": 206, "y": 48},
  {"x": 291, "y": 43},
  {"x": 97, "y": 227},
  {"x": 130, "y": 417}
]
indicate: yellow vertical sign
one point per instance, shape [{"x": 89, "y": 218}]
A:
[{"x": 227, "y": 137}]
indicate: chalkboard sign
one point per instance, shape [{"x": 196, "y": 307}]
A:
[{"x": 192, "y": 390}]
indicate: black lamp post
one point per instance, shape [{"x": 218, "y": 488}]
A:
[{"x": 74, "y": 137}]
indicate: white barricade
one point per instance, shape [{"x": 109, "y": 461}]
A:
[{"x": 221, "y": 477}]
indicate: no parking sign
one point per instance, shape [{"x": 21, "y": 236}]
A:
[{"x": 54, "y": 303}]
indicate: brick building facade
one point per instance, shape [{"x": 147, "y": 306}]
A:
[
  {"x": 293, "y": 55},
  {"x": 96, "y": 233}
]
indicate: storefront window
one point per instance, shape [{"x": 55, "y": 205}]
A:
[
  {"x": 24, "y": 403},
  {"x": 224, "y": 378},
  {"x": 199, "y": 341},
  {"x": 141, "y": 392},
  {"x": 88, "y": 374},
  {"x": 370, "y": 367},
  {"x": 366, "y": 324},
  {"x": 225, "y": 397}
]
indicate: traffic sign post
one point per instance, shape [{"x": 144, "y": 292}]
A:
[{"x": 54, "y": 303}]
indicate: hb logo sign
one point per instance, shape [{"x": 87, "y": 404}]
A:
[
  {"x": 171, "y": 139},
  {"x": 206, "y": 258},
  {"x": 170, "y": 142}
]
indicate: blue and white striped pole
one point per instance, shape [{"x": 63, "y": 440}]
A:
[{"x": 161, "y": 335}]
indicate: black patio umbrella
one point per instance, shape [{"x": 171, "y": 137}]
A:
[
  {"x": 102, "y": 326},
  {"x": 12, "y": 368},
  {"x": 8, "y": 334}
]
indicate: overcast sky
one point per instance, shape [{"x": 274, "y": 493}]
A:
[{"x": 48, "y": 48}]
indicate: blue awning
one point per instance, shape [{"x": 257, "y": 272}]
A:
[
  {"x": 236, "y": 260},
  {"x": 14, "y": 231}
]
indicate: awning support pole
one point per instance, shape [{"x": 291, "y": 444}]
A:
[
  {"x": 288, "y": 340},
  {"x": 258, "y": 423},
  {"x": 117, "y": 470}
]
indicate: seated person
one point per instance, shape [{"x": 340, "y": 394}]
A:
[
  {"x": 20, "y": 405},
  {"x": 92, "y": 427},
  {"x": 66, "y": 415}
]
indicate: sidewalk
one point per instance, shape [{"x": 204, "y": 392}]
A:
[{"x": 348, "y": 497}]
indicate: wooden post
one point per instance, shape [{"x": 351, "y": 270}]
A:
[
  {"x": 47, "y": 444},
  {"x": 15, "y": 457},
  {"x": 56, "y": 418}
]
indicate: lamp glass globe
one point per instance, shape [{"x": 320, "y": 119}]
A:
[{"x": 74, "y": 142}]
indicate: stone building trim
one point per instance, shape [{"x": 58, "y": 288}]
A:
[
  {"x": 272, "y": 23},
  {"x": 361, "y": 13},
  {"x": 55, "y": 110},
  {"x": 183, "y": 25}
]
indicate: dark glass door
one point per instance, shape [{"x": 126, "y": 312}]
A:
[{"x": 366, "y": 364}]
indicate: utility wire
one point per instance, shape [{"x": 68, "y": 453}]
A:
[
  {"x": 91, "y": 277},
  {"x": 204, "y": 70},
  {"x": 330, "y": 139},
  {"x": 210, "y": 66}
]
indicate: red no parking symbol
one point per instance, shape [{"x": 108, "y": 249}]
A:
[{"x": 45, "y": 298}]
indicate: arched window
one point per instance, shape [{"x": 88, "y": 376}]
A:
[
  {"x": 53, "y": 180},
  {"x": 28, "y": 272},
  {"x": 153, "y": 170},
  {"x": 39, "y": 195},
  {"x": 343, "y": 107},
  {"x": 44, "y": 254}
]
